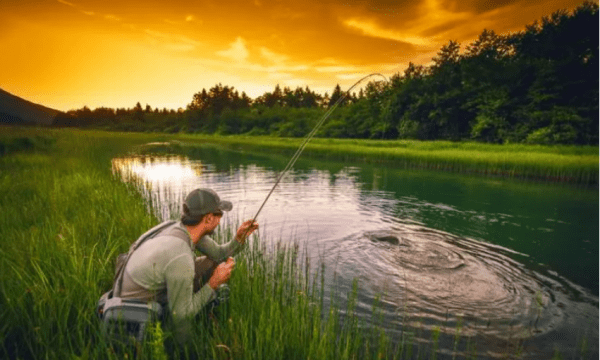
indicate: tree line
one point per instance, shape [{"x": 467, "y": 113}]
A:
[{"x": 539, "y": 85}]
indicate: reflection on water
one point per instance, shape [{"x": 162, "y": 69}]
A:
[
  {"x": 164, "y": 179},
  {"x": 159, "y": 169},
  {"x": 438, "y": 251}
]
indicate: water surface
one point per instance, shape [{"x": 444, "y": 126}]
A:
[{"x": 508, "y": 262}]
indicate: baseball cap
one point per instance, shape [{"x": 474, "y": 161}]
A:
[{"x": 204, "y": 201}]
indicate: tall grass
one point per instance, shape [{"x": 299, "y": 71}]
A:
[
  {"x": 571, "y": 164},
  {"x": 63, "y": 220}
]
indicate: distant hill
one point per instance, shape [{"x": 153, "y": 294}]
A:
[{"x": 14, "y": 110}]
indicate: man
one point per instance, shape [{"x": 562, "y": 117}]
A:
[{"x": 165, "y": 268}]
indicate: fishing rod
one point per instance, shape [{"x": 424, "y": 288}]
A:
[{"x": 308, "y": 137}]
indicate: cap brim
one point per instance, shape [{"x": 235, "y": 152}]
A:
[{"x": 225, "y": 205}]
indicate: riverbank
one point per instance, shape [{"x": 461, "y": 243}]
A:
[{"x": 568, "y": 164}]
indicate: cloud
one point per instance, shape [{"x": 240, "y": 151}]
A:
[
  {"x": 237, "y": 51},
  {"x": 349, "y": 76},
  {"x": 328, "y": 61},
  {"x": 280, "y": 75},
  {"x": 272, "y": 56},
  {"x": 172, "y": 42},
  {"x": 157, "y": 34},
  {"x": 180, "y": 47},
  {"x": 295, "y": 82},
  {"x": 432, "y": 22},
  {"x": 187, "y": 19},
  {"x": 66, "y": 3},
  {"x": 335, "y": 68},
  {"x": 112, "y": 17},
  {"x": 371, "y": 28},
  {"x": 89, "y": 13},
  {"x": 437, "y": 21},
  {"x": 348, "y": 72}
]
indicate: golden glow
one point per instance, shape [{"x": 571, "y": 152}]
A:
[
  {"x": 157, "y": 169},
  {"x": 67, "y": 54}
]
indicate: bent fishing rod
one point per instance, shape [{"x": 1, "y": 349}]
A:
[{"x": 308, "y": 137}]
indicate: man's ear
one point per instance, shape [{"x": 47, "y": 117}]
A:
[{"x": 207, "y": 218}]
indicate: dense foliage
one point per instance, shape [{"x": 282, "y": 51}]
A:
[{"x": 539, "y": 85}]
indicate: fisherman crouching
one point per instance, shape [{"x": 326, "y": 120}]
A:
[{"x": 163, "y": 267}]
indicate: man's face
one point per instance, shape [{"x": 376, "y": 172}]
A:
[{"x": 213, "y": 221}]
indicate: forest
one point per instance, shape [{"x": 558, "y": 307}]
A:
[{"x": 538, "y": 85}]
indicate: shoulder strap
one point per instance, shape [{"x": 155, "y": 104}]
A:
[
  {"x": 145, "y": 236},
  {"x": 150, "y": 234}
]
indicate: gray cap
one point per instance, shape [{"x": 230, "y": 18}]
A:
[{"x": 204, "y": 201}]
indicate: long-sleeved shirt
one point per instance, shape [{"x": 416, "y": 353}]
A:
[{"x": 163, "y": 269}]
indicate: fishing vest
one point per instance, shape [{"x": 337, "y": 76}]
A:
[{"x": 127, "y": 319}]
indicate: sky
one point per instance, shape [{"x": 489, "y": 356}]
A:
[{"x": 66, "y": 54}]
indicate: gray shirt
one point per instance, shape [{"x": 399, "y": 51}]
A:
[{"x": 162, "y": 269}]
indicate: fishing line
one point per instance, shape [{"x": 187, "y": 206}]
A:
[{"x": 306, "y": 140}]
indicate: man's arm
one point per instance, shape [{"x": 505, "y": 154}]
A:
[
  {"x": 217, "y": 252},
  {"x": 183, "y": 302}
]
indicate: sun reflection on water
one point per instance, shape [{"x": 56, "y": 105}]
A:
[{"x": 159, "y": 170}]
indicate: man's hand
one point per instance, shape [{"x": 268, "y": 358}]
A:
[
  {"x": 245, "y": 230},
  {"x": 221, "y": 274}
]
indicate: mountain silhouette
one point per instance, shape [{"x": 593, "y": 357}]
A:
[{"x": 15, "y": 110}]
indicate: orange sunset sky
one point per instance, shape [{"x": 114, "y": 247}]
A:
[{"x": 66, "y": 54}]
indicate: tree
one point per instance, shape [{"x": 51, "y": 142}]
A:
[
  {"x": 447, "y": 56},
  {"x": 138, "y": 113},
  {"x": 336, "y": 96},
  {"x": 310, "y": 99},
  {"x": 414, "y": 72}
]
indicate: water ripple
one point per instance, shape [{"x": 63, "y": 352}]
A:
[{"x": 441, "y": 277}]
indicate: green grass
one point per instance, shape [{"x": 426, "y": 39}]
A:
[
  {"x": 63, "y": 219},
  {"x": 571, "y": 164}
]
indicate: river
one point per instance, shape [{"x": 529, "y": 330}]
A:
[{"x": 511, "y": 264}]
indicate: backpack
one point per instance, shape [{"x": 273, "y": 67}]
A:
[{"x": 127, "y": 319}]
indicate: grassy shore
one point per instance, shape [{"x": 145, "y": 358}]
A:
[
  {"x": 63, "y": 219},
  {"x": 569, "y": 164}
]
